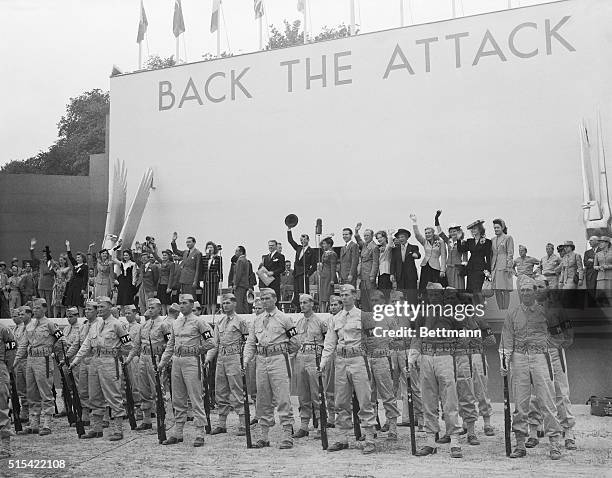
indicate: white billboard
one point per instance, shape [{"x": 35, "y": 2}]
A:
[{"x": 477, "y": 116}]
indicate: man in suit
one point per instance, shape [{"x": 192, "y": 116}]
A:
[
  {"x": 403, "y": 269},
  {"x": 189, "y": 268},
  {"x": 590, "y": 274},
  {"x": 274, "y": 262},
  {"x": 349, "y": 258},
  {"x": 46, "y": 276},
  {"x": 368, "y": 265},
  {"x": 150, "y": 278},
  {"x": 305, "y": 265},
  {"x": 240, "y": 280}
]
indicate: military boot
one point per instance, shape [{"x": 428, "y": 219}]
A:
[
  {"x": 287, "y": 441},
  {"x": 116, "y": 429}
]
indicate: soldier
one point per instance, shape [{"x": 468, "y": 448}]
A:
[
  {"x": 154, "y": 330},
  {"x": 190, "y": 338},
  {"x": 230, "y": 332},
  {"x": 381, "y": 366},
  {"x": 329, "y": 375},
  {"x": 346, "y": 337},
  {"x": 311, "y": 334},
  {"x": 173, "y": 312},
  {"x": 561, "y": 337},
  {"x": 22, "y": 320},
  {"x": 131, "y": 315},
  {"x": 107, "y": 340},
  {"x": 39, "y": 343},
  {"x": 81, "y": 372},
  {"x": 524, "y": 344},
  {"x": 437, "y": 373},
  {"x": 271, "y": 338},
  {"x": 8, "y": 349}
]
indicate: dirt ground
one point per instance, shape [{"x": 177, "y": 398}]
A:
[{"x": 227, "y": 456}]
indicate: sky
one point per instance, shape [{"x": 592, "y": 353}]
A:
[{"x": 53, "y": 50}]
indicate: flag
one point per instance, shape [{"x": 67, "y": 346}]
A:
[
  {"x": 214, "y": 18},
  {"x": 142, "y": 24},
  {"x": 300, "y": 6},
  {"x": 178, "y": 24},
  {"x": 259, "y": 8}
]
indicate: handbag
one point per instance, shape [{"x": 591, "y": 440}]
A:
[{"x": 487, "y": 288}]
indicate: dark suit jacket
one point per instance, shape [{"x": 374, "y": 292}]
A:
[
  {"x": 190, "y": 264},
  {"x": 215, "y": 274},
  {"x": 150, "y": 278},
  {"x": 590, "y": 273},
  {"x": 276, "y": 265},
  {"x": 480, "y": 254},
  {"x": 309, "y": 259},
  {"x": 242, "y": 272},
  {"x": 405, "y": 271}
]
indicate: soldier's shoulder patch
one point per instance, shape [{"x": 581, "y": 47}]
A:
[
  {"x": 58, "y": 334},
  {"x": 125, "y": 339},
  {"x": 245, "y": 336},
  {"x": 207, "y": 334},
  {"x": 292, "y": 332},
  {"x": 10, "y": 345}
]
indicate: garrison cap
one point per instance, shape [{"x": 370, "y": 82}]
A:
[
  {"x": 153, "y": 301},
  {"x": 186, "y": 297},
  {"x": 174, "y": 307},
  {"x": 104, "y": 299}
]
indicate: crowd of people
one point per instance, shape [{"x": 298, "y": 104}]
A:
[
  {"x": 383, "y": 260},
  {"x": 436, "y": 372}
]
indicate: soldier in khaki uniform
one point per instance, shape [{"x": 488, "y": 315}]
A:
[
  {"x": 81, "y": 372},
  {"x": 107, "y": 340},
  {"x": 155, "y": 329},
  {"x": 173, "y": 312},
  {"x": 437, "y": 373},
  {"x": 379, "y": 357},
  {"x": 8, "y": 349},
  {"x": 311, "y": 334},
  {"x": 329, "y": 375},
  {"x": 22, "y": 320},
  {"x": 229, "y": 334},
  {"x": 191, "y": 337},
  {"x": 524, "y": 345},
  {"x": 271, "y": 339},
  {"x": 134, "y": 324},
  {"x": 346, "y": 336},
  {"x": 39, "y": 343}
]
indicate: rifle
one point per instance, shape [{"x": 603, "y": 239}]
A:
[
  {"x": 76, "y": 399},
  {"x": 507, "y": 419},
  {"x": 356, "y": 424},
  {"x": 410, "y": 407},
  {"x": 322, "y": 404},
  {"x": 206, "y": 398},
  {"x": 16, "y": 406},
  {"x": 160, "y": 406},
  {"x": 55, "y": 399},
  {"x": 245, "y": 399},
  {"x": 378, "y": 427},
  {"x": 129, "y": 398},
  {"x": 66, "y": 393}
]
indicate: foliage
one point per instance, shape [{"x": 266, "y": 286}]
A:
[
  {"x": 292, "y": 36},
  {"x": 156, "y": 62}
]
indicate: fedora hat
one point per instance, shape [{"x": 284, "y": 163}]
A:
[{"x": 402, "y": 231}]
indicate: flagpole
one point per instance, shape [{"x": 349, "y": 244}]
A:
[
  {"x": 454, "y": 8},
  {"x": 305, "y": 12},
  {"x": 177, "y": 49},
  {"x": 260, "y": 23},
  {"x": 140, "y": 55},
  {"x": 509, "y": 3},
  {"x": 352, "y": 7},
  {"x": 402, "y": 22}
]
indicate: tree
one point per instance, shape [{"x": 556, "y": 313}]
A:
[
  {"x": 292, "y": 35},
  {"x": 81, "y": 132},
  {"x": 156, "y": 62}
]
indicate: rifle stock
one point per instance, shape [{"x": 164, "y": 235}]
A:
[
  {"x": 76, "y": 399},
  {"x": 322, "y": 402},
  {"x": 160, "y": 406},
  {"x": 356, "y": 424},
  {"x": 129, "y": 397},
  {"x": 206, "y": 398},
  {"x": 410, "y": 409},
  {"x": 245, "y": 400},
  {"x": 507, "y": 418},
  {"x": 15, "y": 405}
]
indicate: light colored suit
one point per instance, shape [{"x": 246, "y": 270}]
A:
[
  {"x": 502, "y": 260},
  {"x": 349, "y": 258}
]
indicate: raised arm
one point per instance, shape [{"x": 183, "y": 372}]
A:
[
  {"x": 417, "y": 232},
  {"x": 294, "y": 244}
]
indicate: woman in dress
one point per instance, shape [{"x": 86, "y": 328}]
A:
[
  {"x": 166, "y": 273},
  {"x": 455, "y": 260},
  {"x": 603, "y": 266},
  {"x": 126, "y": 278},
  {"x": 212, "y": 276},
  {"x": 77, "y": 285},
  {"x": 479, "y": 263},
  {"x": 327, "y": 272},
  {"x": 384, "y": 264},
  {"x": 63, "y": 274},
  {"x": 103, "y": 272},
  {"x": 502, "y": 252}
]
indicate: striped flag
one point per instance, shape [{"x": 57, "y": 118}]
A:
[
  {"x": 142, "y": 24},
  {"x": 178, "y": 24},
  {"x": 259, "y": 8},
  {"x": 300, "y": 6},
  {"x": 214, "y": 18}
]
